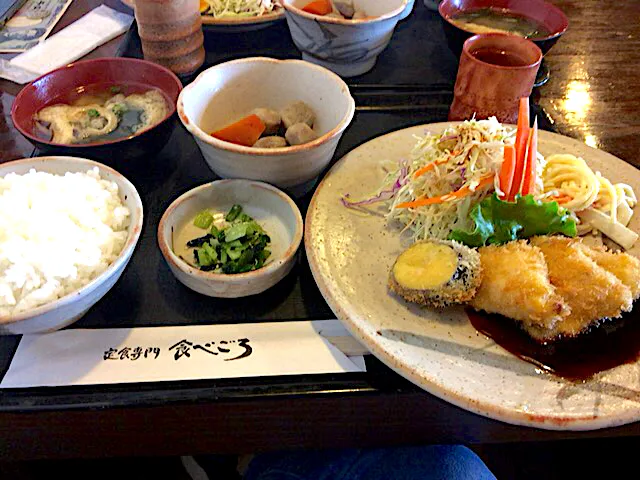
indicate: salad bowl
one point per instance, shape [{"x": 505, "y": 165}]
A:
[{"x": 237, "y": 23}]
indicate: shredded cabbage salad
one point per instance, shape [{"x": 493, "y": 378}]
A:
[
  {"x": 238, "y": 8},
  {"x": 463, "y": 158},
  {"x": 450, "y": 188}
]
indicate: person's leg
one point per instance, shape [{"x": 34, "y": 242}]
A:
[
  {"x": 302, "y": 465},
  {"x": 409, "y": 463}
]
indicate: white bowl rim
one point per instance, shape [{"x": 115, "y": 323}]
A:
[
  {"x": 269, "y": 268},
  {"x": 127, "y": 250},
  {"x": 195, "y": 130},
  {"x": 345, "y": 21}
]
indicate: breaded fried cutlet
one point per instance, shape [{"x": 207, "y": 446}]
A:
[
  {"x": 591, "y": 291},
  {"x": 516, "y": 284},
  {"x": 624, "y": 266}
]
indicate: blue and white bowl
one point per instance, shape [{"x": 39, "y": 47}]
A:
[{"x": 347, "y": 47}]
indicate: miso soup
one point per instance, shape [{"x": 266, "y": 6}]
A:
[
  {"x": 101, "y": 113},
  {"x": 487, "y": 20}
]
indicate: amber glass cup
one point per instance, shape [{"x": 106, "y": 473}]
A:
[{"x": 495, "y": 71}]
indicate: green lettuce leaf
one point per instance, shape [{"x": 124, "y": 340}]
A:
[{"x": 499, "y": 222}]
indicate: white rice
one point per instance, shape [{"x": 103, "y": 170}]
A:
[{"x": 57, "y": 233}]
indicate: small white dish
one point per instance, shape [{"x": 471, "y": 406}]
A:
[
  {"x": 347, "y": 47},
  {"x": 271, "y": 208},
  {"x": 70, "y": 308},
  {"x": 226, "y": 92}
]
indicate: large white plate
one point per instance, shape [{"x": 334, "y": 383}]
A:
[{"x": 350, "y": 256}]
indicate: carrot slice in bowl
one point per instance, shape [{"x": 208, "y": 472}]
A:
[{"x": 245, "y": 131}]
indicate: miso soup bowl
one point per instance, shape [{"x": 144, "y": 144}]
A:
[
  {"x": 271, "y": 208},
  {"x": 347, "y": 47},
  {"x": 229, "y": 91},
  {"x": 550, "y": 16},
  {"x": 62, "y": 84}
]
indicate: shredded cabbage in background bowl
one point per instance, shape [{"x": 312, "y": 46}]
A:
[{"x": 238, "y": 8}]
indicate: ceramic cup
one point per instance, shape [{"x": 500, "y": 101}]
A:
[{"x": 495, "y": 71}]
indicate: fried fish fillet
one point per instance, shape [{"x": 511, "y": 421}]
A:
[
  {"x": 624, "y": 266},
  {"x": 591, "y": 291},
  {"x": 516, "y": 284}
]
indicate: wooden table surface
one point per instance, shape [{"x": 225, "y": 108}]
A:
[
  {"x": 594, "y": 91},
  {"x": 593, "y": 95}
]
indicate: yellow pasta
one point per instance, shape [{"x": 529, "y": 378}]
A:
[
  {"x": 569, "y": 176},
  {"x": 626, "y": 193},
  {"x": 569, "y": 179},
  {"x": 607, "y": 199}
]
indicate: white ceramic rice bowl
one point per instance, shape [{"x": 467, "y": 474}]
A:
[
  {"x": 70, "y": 308},
  {"x": 226, "y": 92}
]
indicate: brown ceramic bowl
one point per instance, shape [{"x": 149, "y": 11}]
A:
[
  {"x": 550, "y": 16},
  {"x": 61, "y": 85}
]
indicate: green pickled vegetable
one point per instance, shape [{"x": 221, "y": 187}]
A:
[
  {"x": 233, "y": 213},
  {"x": 93, "y": 113},
  {"x": 234, "y": 232},
  {"x": 203, "y": 220},
  {"x": 237, "y": 248},
  {"x": 497, "y": 222}
]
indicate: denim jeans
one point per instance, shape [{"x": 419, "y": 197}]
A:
[{"x": 437, "y": 462}]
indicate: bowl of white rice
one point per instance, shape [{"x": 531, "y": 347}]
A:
[{"x": 68, "y": 228}]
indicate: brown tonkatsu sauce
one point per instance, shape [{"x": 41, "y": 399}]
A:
[{"x": 613, "y": 343}]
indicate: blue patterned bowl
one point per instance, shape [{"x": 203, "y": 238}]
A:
[{"x": 347, "y": 47}]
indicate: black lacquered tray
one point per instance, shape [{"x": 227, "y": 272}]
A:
[{"x": 411, "y": 84}]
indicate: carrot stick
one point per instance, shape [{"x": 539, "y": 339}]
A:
[
  {"x": 563, "y": 198},
  {"x": 529, "y": 175},
  {"x": 506, "y": 172},
  {"x": 318, "y": 7},
  {"x": 522, "y": 135},
  {"x": 463, "y": 192},
  {"x": 245, "y": 132},
  {"x": 430, "y": 166}
]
